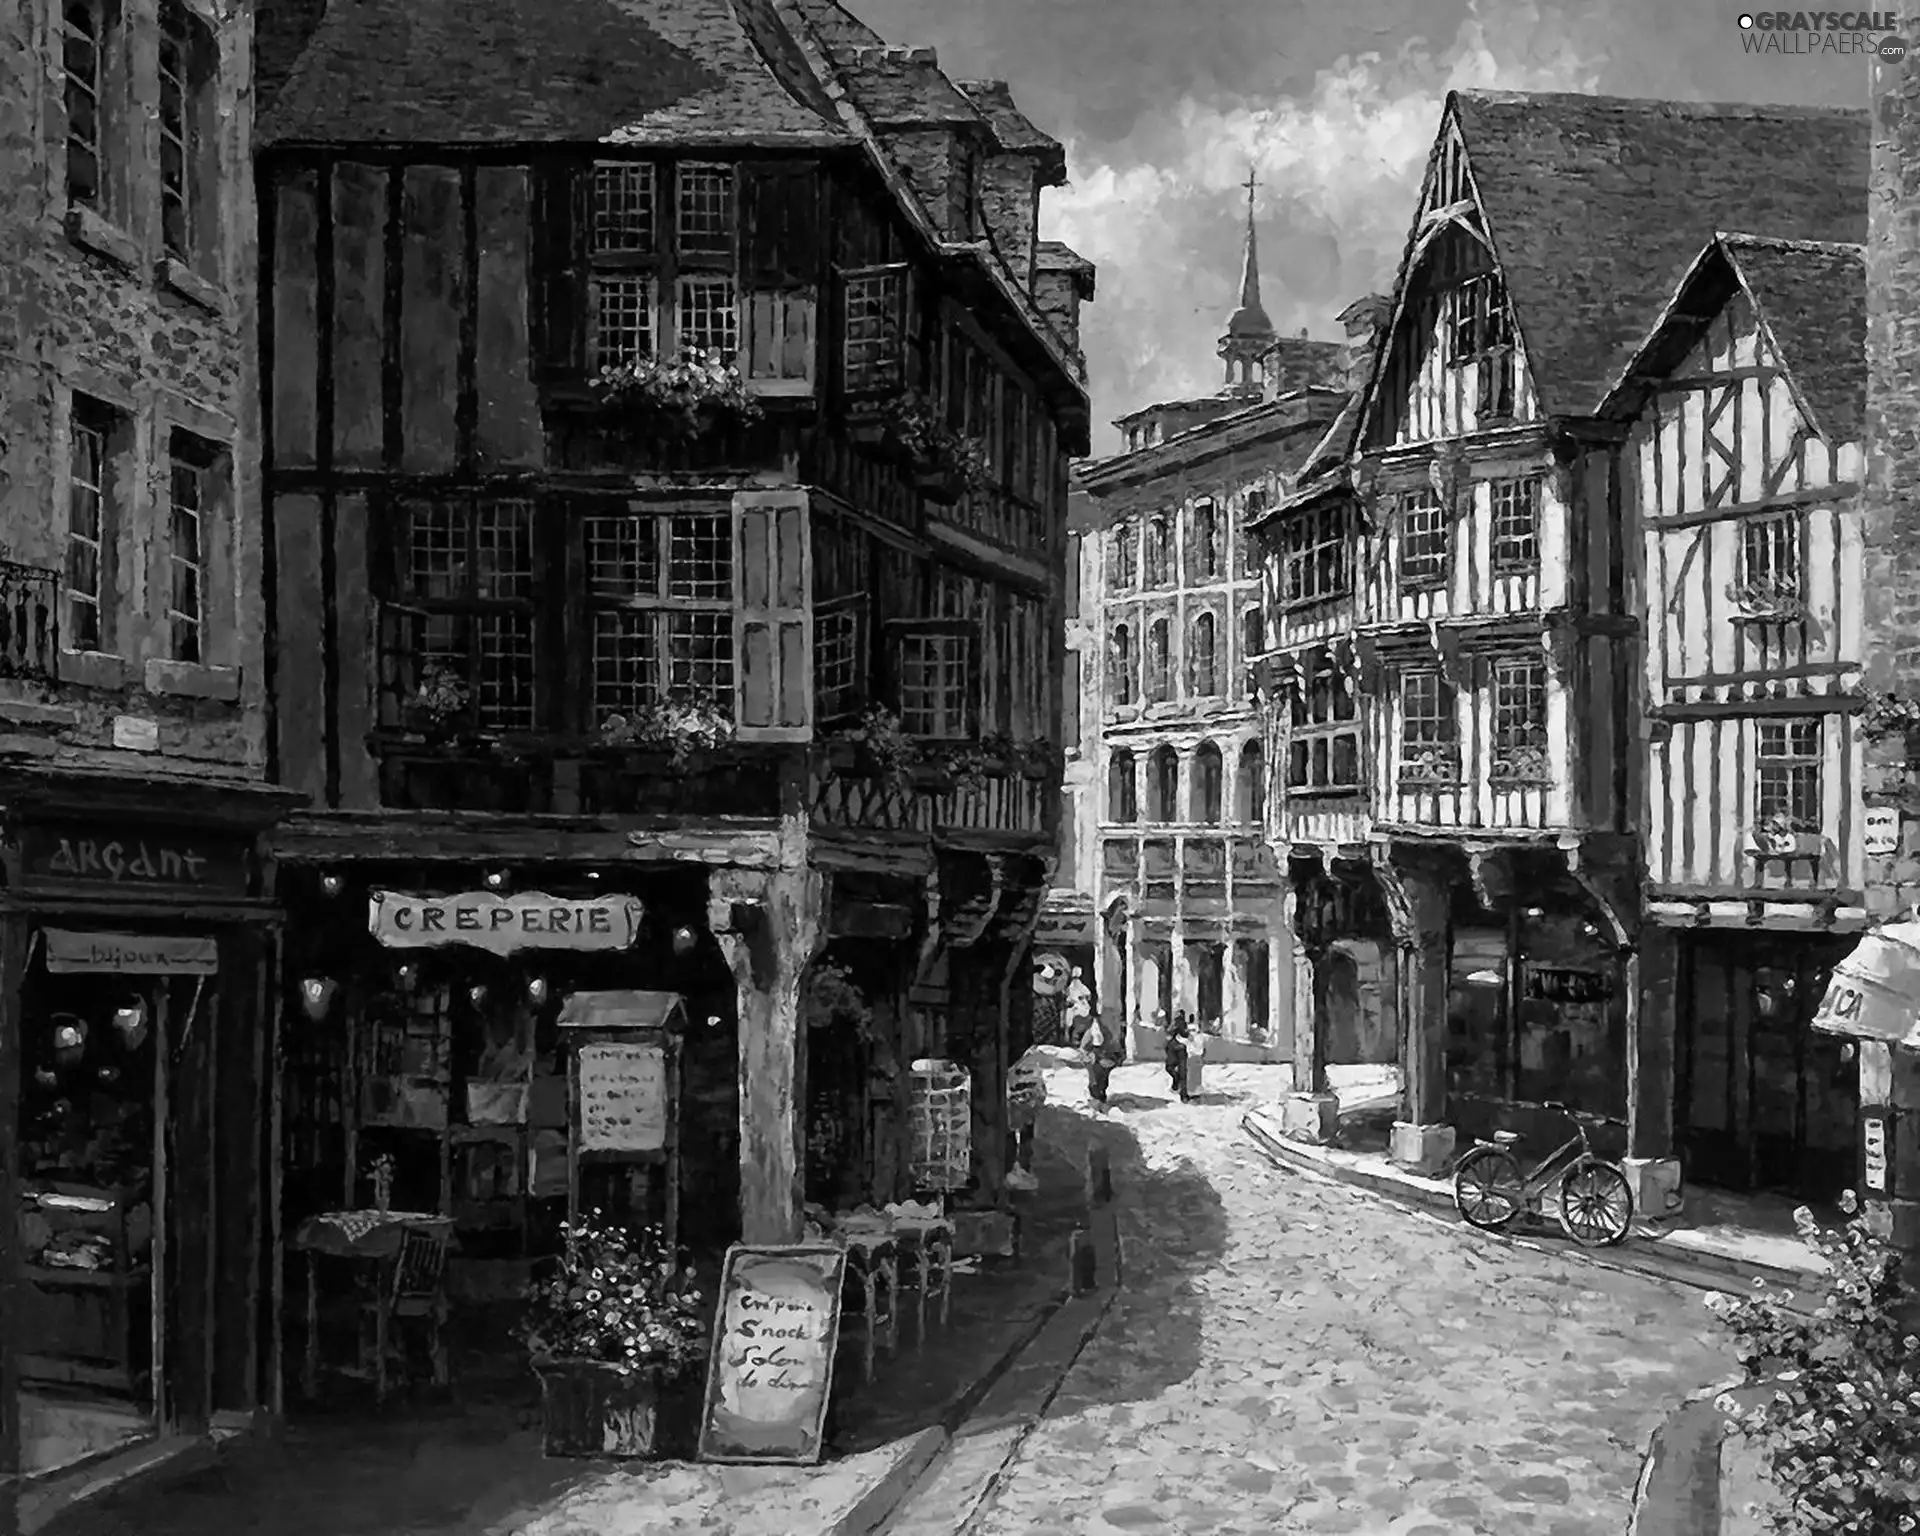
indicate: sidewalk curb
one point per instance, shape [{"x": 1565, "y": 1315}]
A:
[
  {"x": 1700, "y": 1270},
  {"x": 1000, "y": 1418},
  {"x": 1664, "y": 1480}
]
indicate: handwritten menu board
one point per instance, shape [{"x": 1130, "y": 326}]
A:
[
  {"x": 622, "y": 1098},
  {"x": 772, "y": 1362}
]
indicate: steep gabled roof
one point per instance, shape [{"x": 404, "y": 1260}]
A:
[
  {"x": 905, "y": 88},
  {"x": 1596, "y": 204},
  {"x": 550, "y": 71},
  {"x": 1810, "y": 300},
  {"x": 1014, "y": 130}
]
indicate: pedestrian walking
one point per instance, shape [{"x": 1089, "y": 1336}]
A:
[
  {"x": 1026, "y": 1093},
  {"x": 1103, "y": 1053},
  {"x": 1178, "y": 1036}
]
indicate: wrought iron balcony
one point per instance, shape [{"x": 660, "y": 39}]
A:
[{"x": 29, "y": 622}]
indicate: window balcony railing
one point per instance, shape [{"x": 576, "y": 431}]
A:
[{"x": 29, "y": 622}]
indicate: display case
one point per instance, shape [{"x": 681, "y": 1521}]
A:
[{"x": 88, "y": 1297}]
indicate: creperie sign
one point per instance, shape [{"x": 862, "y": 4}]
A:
[{"x": 503, "y": 924}]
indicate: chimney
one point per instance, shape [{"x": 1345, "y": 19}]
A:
[
  {"x": 1366, "y": 321},
  {"x": 1063, "y": 280}
]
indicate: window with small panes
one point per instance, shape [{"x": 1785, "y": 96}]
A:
[
  {"x": 1203, "y": 660},
  {"x": 1770, "y": 556},
  {"x": 89, "y": 37},
  {"x": 1122, "y": 571},
  {"x": 1159, "y": 663},
  {"x": 1203, "y": 546},
  {"x": 1323, "y": 738},
  {"x": 187, "y": 61},
  {"x": 933, "y": 678},
  {"x": 1429, "y": 728},
  {"x": 664, "y": 277},
  {"x": 1157, "y": 552},
  {"x": 1787, "y": 775},
  {"x": 1423, "y": 540},
  {"x": 1519, "y": 745},
  {"x": 1516, "y": 525},
  {"x": 873, "y": 329},
  {"x": 660, "y": 592},
  {"x": 462, "y": 631},
  {"x": 1120, "y": 690},
  {"x": 1314, "y": 560}
]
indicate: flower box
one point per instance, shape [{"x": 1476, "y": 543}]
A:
[
  {"x": 589, "y": 1408},
  {"x": 1765, "y": 603}
]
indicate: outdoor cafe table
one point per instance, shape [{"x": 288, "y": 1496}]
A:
[{"x": 365, "y": 1237}]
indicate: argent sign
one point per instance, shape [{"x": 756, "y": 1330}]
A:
[{"x": 503, "y": 924}]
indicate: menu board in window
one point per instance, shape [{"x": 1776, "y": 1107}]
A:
[{"x": 622, "y": 1097}]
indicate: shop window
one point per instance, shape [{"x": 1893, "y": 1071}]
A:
[
  {"x": 1423, "y": 540},
  {"x": 661, "y": 587},
  {"x": 1429, "y": 729},
  {"x": 1519, "y": 746},
  {"x": 1787, "y": 779},
  {"x": 1323, "y": 742},
  {"x": 460, "y": 639}
]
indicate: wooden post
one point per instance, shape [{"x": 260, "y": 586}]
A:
[
  {"x": 13, "y": 970},
  {"x": 1417, "y": 902},
  {"x": 770, "y": 924}
]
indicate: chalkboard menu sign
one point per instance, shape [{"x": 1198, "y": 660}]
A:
[
  {"x": 623, "y": 1098},
  {"x": 771, "y": 1372}
]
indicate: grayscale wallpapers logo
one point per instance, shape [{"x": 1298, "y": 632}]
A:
[{"x": 1847, "y": 32}]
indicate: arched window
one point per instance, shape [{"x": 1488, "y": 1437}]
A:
[
  {"x": 1120, "y": 666},
  {"x": 1203, "y": 541},
  {"x": 1208, "y": 776},
  {"x": 1163, "y": 785},
  {"x": 1157, "y": 557},
  {"x": 1122, "y": 804},
  {"x": 1203, "y": 662},
  {"x": 1121, "y": 571},
  {"x": 1253, "y": 634},
  {"x": 1159, "y": 664},
  {"x": 1250, "y": 792}
]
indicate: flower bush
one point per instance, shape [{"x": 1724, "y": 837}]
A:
[
  {"x": 684, "y": 390},
  {"x": 1889, "y": 716},
  {"x": 880, "y": 739},
  {"x": 682, "y": 725},
  {"x": 1767, "y": 599},
  {"x": 442, "y": 696},
  {"x": 915, "y": 430},
  {"x": 617, "y": 1298},
  {"x": 1840, "y": 1433},
  {"x": 832, "y": 998}
]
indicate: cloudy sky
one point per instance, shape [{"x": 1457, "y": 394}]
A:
[{"x": 1163, "y": 104}]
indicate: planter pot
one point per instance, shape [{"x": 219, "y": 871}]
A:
[{"x": 591, "y": 1409}]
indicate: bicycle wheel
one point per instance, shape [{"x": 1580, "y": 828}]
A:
[
  {"x": 1488, "y": 1190},
  {"x": 1596, "y": 1203}
]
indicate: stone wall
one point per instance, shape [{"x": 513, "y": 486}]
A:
[
  {"x": 91, "y": 306},
  {"x": 1010, "y": 205}
]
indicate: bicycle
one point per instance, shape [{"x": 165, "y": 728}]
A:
[{"x": 1596, "y": 1202}]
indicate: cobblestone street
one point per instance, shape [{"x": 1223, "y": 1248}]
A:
[{"x": 1293, "y": 1356}]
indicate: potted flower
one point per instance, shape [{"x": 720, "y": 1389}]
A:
[
  {"x": 880, "y": 747},
  {"x": 970, "y": 766},
  {"x": 1893, "y": 716},
  {"x": 1429, "y": 765},
  {"x": 1780, "y": 836},
  {"x": 680, "y": 725},
  {"x": 945, "y": 464},
  {"x": 1520, "y": 762},
  {"x": 616, "y": 1334},
  {"x": 1766, "y": 602},
  {"x": 684, "y": 394},
  {"x": 441, "y": 703}
]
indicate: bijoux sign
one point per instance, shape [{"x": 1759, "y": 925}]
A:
[{"x": 503, "y": 924}]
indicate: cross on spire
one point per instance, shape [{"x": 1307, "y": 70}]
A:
[{"x": 1250, "y": 183}]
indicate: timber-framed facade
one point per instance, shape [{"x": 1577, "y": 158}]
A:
[{"x": 779, "y": 665}]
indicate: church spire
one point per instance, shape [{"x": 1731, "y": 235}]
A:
[{"x": 1249, "y": 332}]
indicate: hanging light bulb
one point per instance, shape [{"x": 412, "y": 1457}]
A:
[
  {"x": 536, "y": 989},
  {"x": 477, "y": 995},
  {"x": 109, "y": 1074},
  {"x": 683, "y": 940},
  {"x": 713, "y": 1021},
  {"x": 496, "y": 879},
  {"x": 46, "y": 1077},
  {"x": 130, "y": 1023},
  {"x": 331, "y": 885},
  {"x": 407, "y": 977},
  {"x": 69, "y": 1038},
  {"x": 316, "y": 996},
  {"x": 593, "y": 874}
]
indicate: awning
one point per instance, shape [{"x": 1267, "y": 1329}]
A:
[
  {"x": 1874, "y": 993},
  {"x": 623, "y": 1010}
]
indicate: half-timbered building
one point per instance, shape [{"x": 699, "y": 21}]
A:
[
  {"x": 1740, "y": 473},
  {"x": 1463, "y": 639},
  {"x": 667, "y": 465},
  {"x": 1184, "y": 888}
]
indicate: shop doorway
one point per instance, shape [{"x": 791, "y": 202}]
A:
[
  {"x": 1762, "y": 1103},
  {"x": 96, "y": 1049}
]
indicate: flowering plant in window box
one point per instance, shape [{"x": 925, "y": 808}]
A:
[
  {"x": 1892, "y": 715},
  {"x": 881, "y": 748},
  {"x": 680, "y": 726},
  {"x": 1429, "y": 765},
  {"x": 683, "y": 393},
  {"x": 945, "y": 463},
  {"x": 1520, "y": 763},
  {"x": 1767, "y": 602},
  {"x": 1780, "y": 836},
  {"x": 441, "y": 703},
  {"x": 616, "y": 1322},
  {"x": 969, "y": 766}
]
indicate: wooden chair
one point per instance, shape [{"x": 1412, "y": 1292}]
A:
[{"x": 416, "y": 1299}]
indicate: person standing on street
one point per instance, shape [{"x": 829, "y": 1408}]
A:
[
  {"x": 1177, "y": 1038},
  {"x": 1103, "y": 1054}
]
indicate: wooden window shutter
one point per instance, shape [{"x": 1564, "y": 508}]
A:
[
  {"x": 780, "y": 225},
  {"x": 401, "y": 631},
  {"x": 772, "y": 628},
  {"x": 560, "y": 239}
]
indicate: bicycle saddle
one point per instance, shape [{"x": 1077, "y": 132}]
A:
[{"x": 1505, "y": 1138}]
